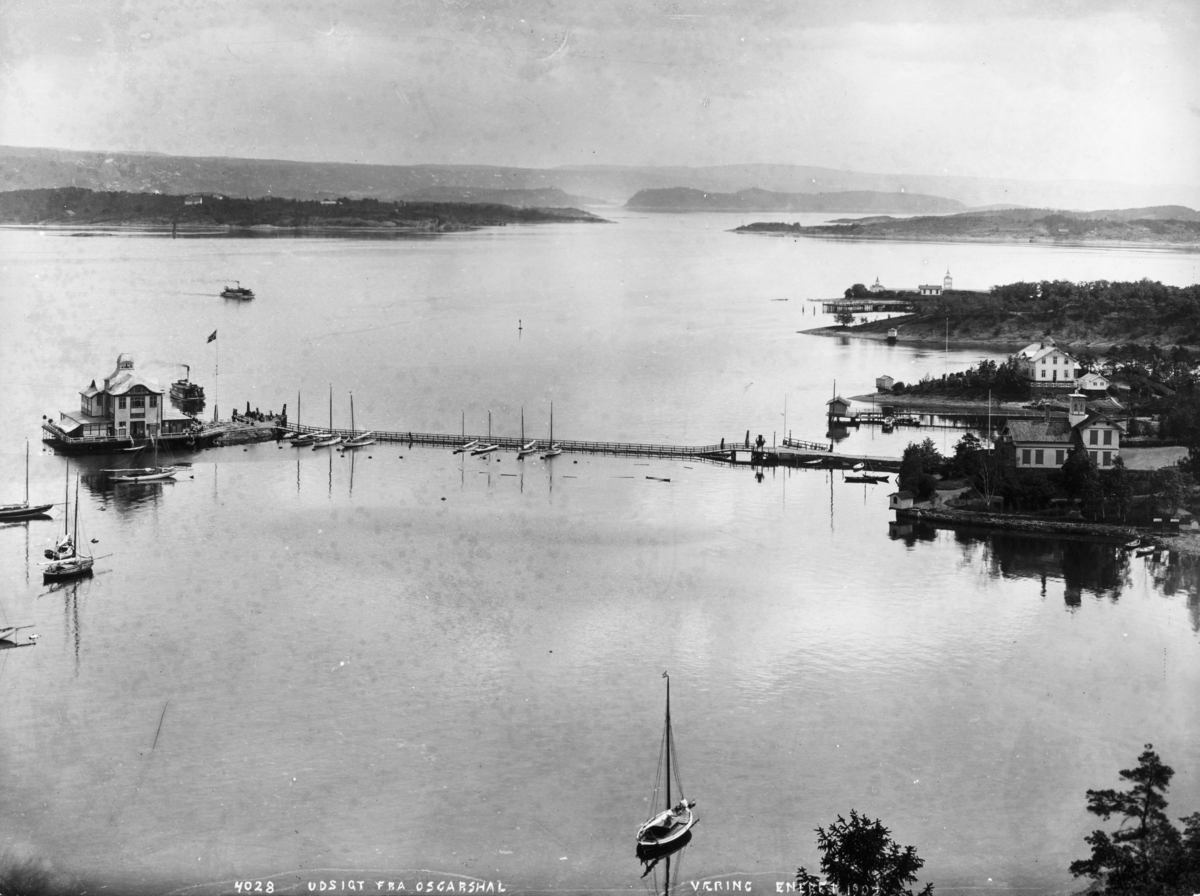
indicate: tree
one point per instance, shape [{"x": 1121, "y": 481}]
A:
[
  {"x": 859, "y": 856},
  {"x": 1146, "y": 854},
  {"x": 844, "y": 317},
  {"x": 1118, "y": 487},
  {"x": 1080, "y": 478}
]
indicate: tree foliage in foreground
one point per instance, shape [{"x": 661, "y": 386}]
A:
[
  {"x": 859, "y": 856},
  {"x": 1147, "y": 855}
]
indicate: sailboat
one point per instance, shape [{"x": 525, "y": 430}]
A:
[
  {"x": 526, "y": 447},
  {"x": 489, "y": 447},
  {"x": 144, "y": 474},
  {"x": 465, "y": 446},
  {"x": 65, "y": 546},
  {"x": 24, "y": 510},
  {"x": 363, "y": 438},
  {"x": 77, "y": 564},
  {"x": 328, "y": 439},
  {"x": 553, "y": 450},
  {"x": 303, "y": 438},
  {"x": 662, "y": 830}
]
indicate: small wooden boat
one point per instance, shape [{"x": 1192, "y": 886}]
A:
[
  {"x": 237, "y": 292},
  {"x": 362, "y": 438},
  {"x": 1133, "y": 545},
  {"x": 859, "y": 466},
  {"x": 24, "y": 510},
  {"x": 526, "y": 448},
  {"x": 144, "y": 474},
  {"x": 553, "y": 450},
  {"x": 327, "y": 439},
  {"x": 78, "y": 564},
  {"x": 489, "y": 447},
  {"x": 676, "y": 819}
]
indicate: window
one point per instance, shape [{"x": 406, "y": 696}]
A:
[
  {"x": 121, "y": 402},
  {"x": 137, "y": 401},
  {"x": 1108, "y": 437},
  {"x": 1039, "y": 457},
  {"x": 1025, "y": 453},
  {"x": 1108, "y": 458},
  {"x": 153, "y": 401},
  {"x": 1094, "y": 458},
  {"x": 1093, "y": 437},
  {"x": 1060, "y": 456}
]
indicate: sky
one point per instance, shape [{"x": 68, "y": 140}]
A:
[{"x": 1045, "y": 90}]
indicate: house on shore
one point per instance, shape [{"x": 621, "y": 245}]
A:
[
  {"x": 1046, "y": 365},
  {"x": 1043, "y": 445}
]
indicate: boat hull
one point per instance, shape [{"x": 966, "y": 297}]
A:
[
  {"x": 71, "y": 568},
  {"x": 23, "y": 512},
  {"x": 651, "y": 836}
]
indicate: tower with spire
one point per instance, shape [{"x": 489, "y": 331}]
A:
[{"x": 947, "y": 282}]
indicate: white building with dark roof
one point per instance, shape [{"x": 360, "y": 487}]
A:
[
  {"x": 1045, "y": 444},
  {"x": 1044, "y": 363}
]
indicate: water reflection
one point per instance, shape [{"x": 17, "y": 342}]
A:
[
  {"x": 126, "y": 498},
  {"x": 1176, "y": 574},
  {"x": 663, "y": 868}
]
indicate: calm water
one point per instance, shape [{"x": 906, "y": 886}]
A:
[{"x": 315, "y": 667}]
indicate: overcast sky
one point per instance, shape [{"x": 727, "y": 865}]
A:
[{"x": 1036, "y": 90}]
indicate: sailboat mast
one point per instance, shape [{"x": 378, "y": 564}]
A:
[
  {"x": 668, "y": 741},
  {"x": 27, "y": 471},
  {"x": 331, "y": 407},
  {"x": 66, "y": 500},
  {"x": 351, "y": 413},
  {"x": 75, "y": 537}
]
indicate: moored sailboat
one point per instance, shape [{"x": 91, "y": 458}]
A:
[
  {"x": 553, "y": 450},
  {"x": 665, "y": 828},
  {"x": 490, "y": 446},
  {"x": 24, "y": 510},
  {"x": 526, "y": 448},
  {"x": 360, "y": 438},
  {"x": 155, "y": 473},
  {"x": 79, "y": 563},
  {"x": 327, "y": 439}
]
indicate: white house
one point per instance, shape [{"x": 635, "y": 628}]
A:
[
  {"x": 1046, "y": 363},
  {"x": 1044, "y": 444}
]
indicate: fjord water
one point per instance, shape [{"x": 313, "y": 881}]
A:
[{"x": 310, "y": 665}]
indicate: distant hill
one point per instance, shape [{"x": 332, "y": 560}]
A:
[
  {"x": 77, "y": 207},
  {"x": 1023, "y": 225},
  {"x": 29, "y": 168},
  {"x": 546, "y": 197},
  {"x": 677, "y": 199}
]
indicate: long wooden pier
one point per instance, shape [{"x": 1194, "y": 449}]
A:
[{"x": 794, "y": 452}]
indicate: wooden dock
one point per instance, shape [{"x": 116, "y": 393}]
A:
[{"x": 794, "y": 452}]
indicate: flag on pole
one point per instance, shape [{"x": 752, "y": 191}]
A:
[{"x": 212, "y": 337}]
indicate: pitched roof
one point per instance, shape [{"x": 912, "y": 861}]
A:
[
  {"x": 1095, "y": 416},
  {"x": 1054, "y": 430},
  {"x": 127, "y": 380}
]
